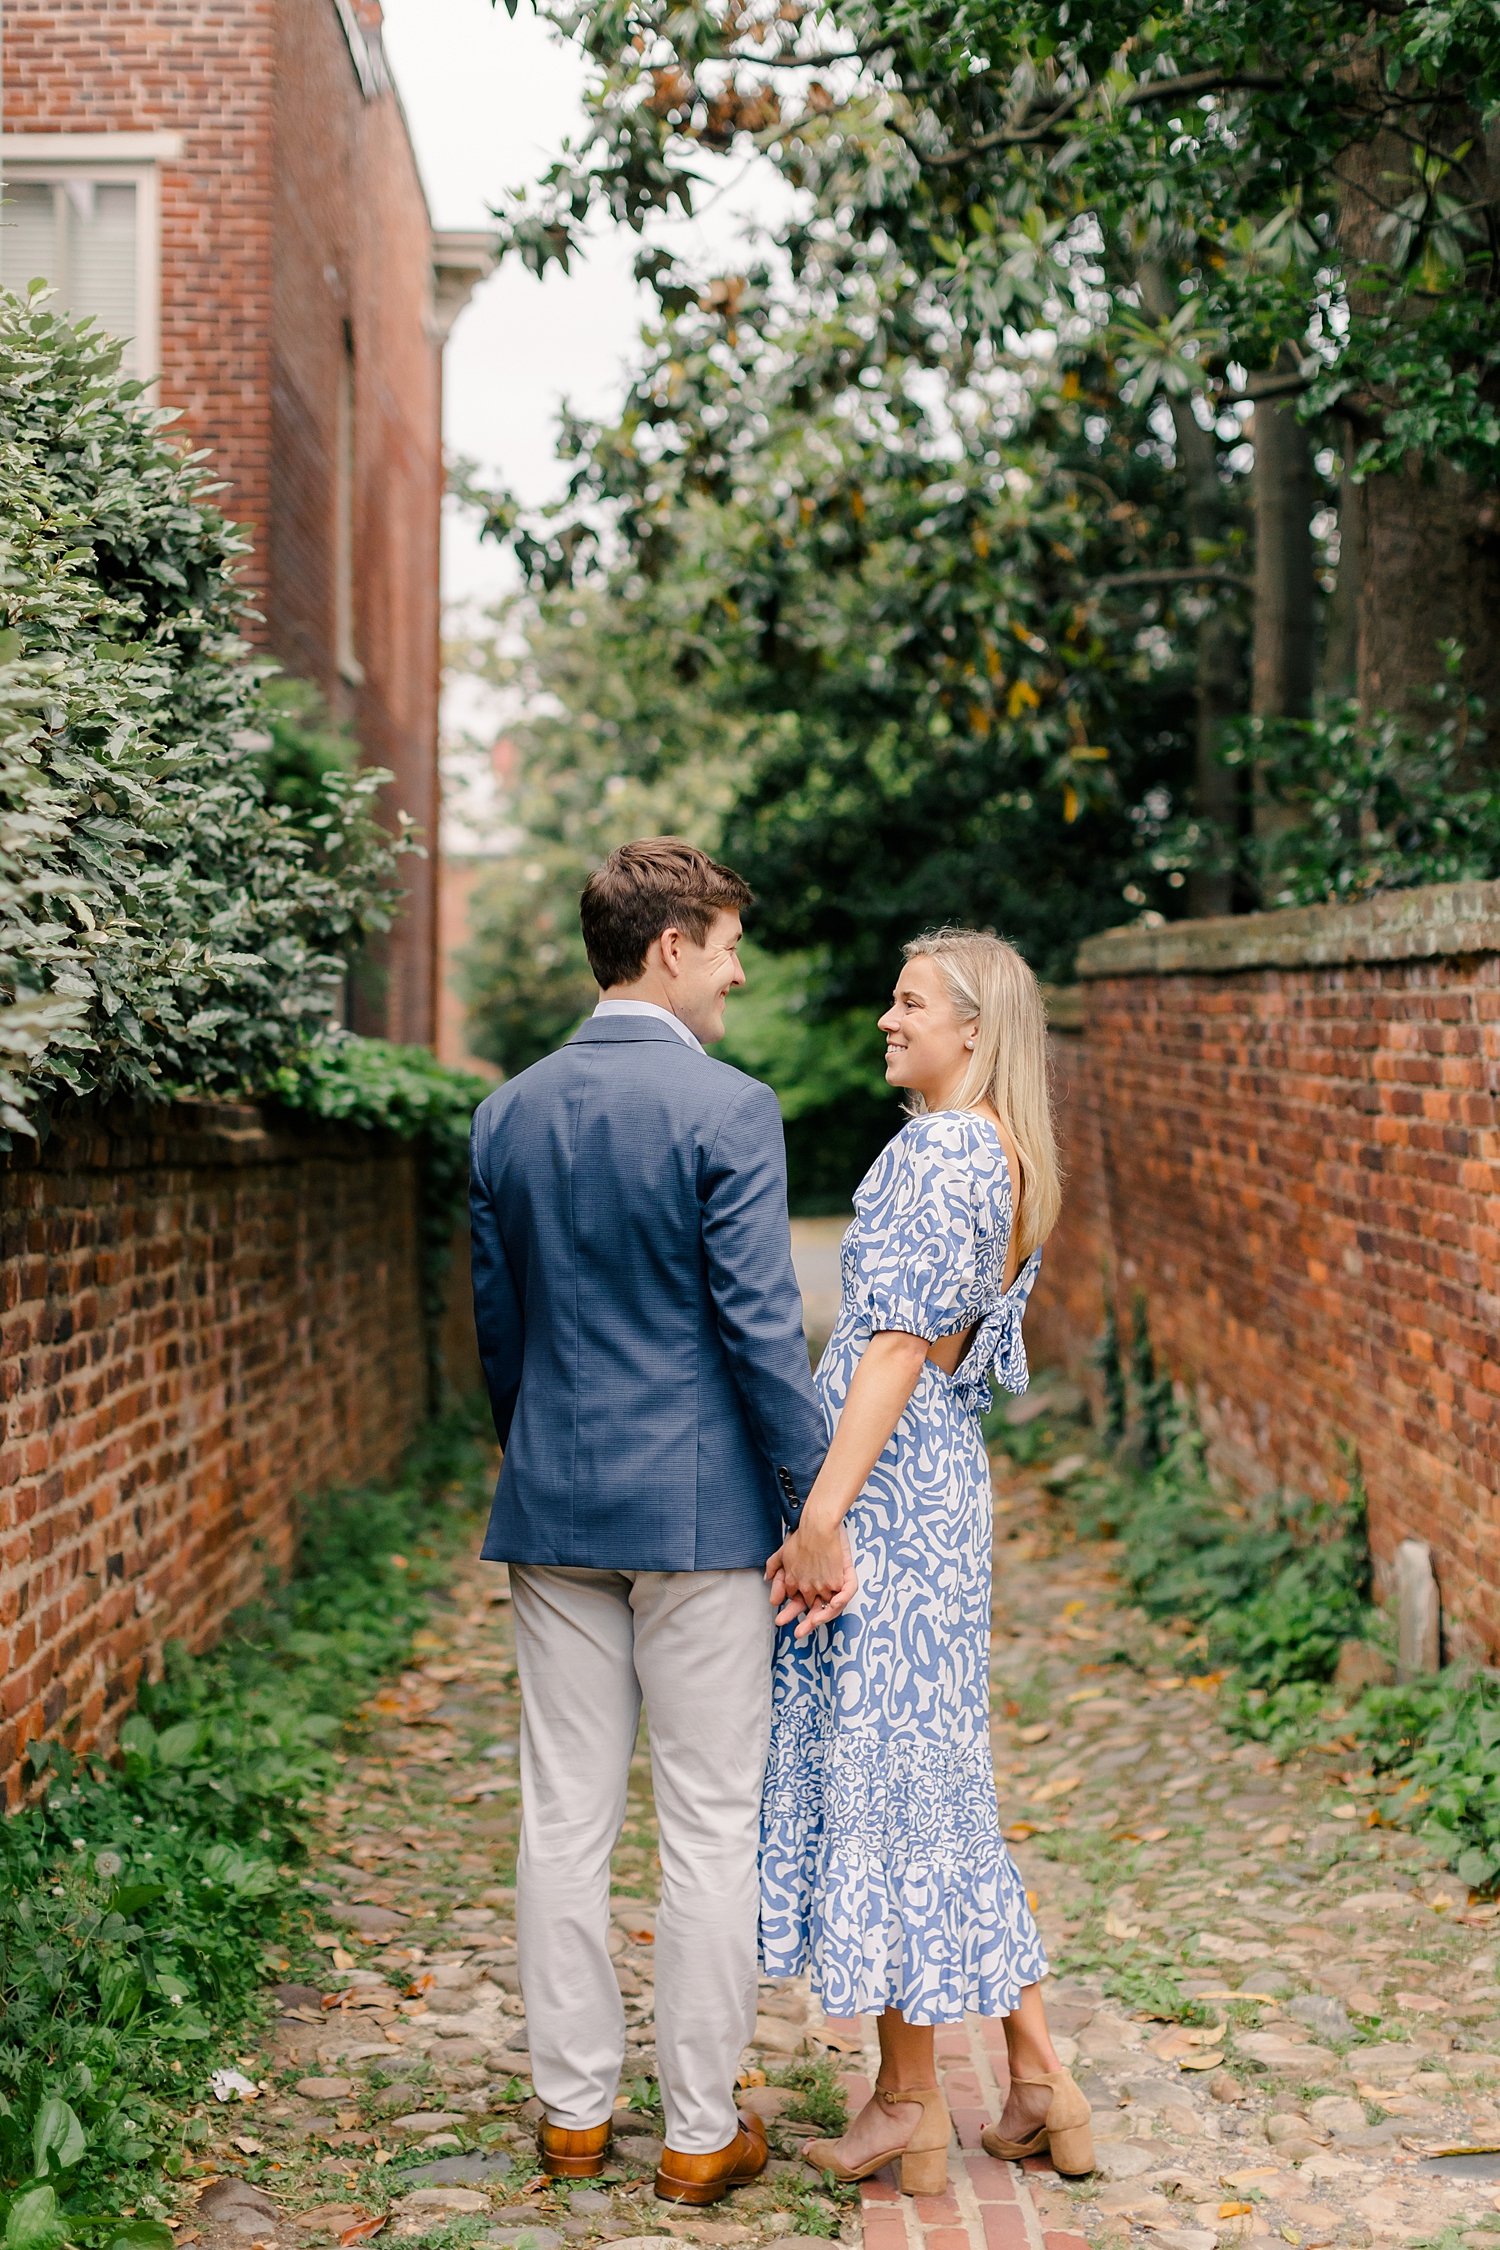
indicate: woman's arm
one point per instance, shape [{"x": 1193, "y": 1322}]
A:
[{"x": 811, "y": 1573}]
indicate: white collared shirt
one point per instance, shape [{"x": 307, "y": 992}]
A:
[{"x": 650, "y": 1008}]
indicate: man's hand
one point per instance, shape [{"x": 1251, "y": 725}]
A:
[{"x": 812, "y": 1577}]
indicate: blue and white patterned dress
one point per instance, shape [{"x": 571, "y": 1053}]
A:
[{"x": 883, "y": 1871}]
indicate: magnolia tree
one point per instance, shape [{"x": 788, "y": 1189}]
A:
[{"x": 1222, "y": 284}]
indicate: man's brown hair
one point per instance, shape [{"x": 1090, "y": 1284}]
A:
[{"x": 660, "y": 883}]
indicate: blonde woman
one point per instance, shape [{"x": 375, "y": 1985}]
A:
[{"x": 883, "y": 1870}]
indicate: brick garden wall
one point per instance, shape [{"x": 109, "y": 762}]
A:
[
  {"x": 1282, "y": 1133},
  {"x": 203, "y": 1315}
]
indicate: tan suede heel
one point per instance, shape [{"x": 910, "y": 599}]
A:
[
  {"x": 921, "y": 2163},
  {"x": 1065, "y": 2132}
]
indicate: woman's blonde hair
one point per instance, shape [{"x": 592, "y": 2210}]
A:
[{"x": 991, "y": 986}]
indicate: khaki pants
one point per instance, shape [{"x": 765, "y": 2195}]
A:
[{"x": 590, "y": 1644}]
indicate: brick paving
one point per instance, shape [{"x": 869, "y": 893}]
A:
[{"x": 988, "y": 2205}]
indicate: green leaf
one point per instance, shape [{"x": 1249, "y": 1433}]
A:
[
  {"x": 141, "y": 2234},
  {"x": 130, "y": 1898},
  {"x": 179, "y": 1743},
  {"x": 33, "y": 2221},
  {"x": 58, "y": 2140}
]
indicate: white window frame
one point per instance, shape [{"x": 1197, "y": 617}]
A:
[{"x": 110, "y": 159}]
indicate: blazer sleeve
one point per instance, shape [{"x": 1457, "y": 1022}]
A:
[
  {"x": 747, "y": 1244},
  {"x": 499, "y": 1322}
]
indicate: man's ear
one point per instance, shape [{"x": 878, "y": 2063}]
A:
[{"x": 671, "y": 943}]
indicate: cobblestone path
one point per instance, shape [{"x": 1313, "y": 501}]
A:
[{"x": 1350, "y": 1988}]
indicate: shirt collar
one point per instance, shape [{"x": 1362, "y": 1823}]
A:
[{"x": 650, "y": 1008}]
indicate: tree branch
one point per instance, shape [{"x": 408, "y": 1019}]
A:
[
  {"x": 1149, "y": 90},
  {"x": 1266, "y": 386},
  {"x": 1185, "y": 577}
]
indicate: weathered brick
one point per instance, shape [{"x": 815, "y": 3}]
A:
[
  {"x": 291, "y": 1362},
  {"x": 1250, "y": 1154}
]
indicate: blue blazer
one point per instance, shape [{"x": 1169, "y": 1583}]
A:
[{"x": 639, "y": 1322}]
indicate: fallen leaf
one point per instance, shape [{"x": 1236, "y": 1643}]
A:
[
  {"x": 1265, "y": 1999},
  {"x": 1038, "y": 1733},
  {"x": 1061, "y": 1785},
  {"x": 1154, "y": 1835},
  {"x": 247, "y": 2146},
  {"x": 1290, "y": 2234},
  {"x": 750, "y": 2076},
  {"x": 1345, "y": 1812},
  {"x": 344, "y": 2118},
  {"x": 1235, "y": 2210},
  {"x": 364, "y": 2229},
  {"x": 1019, "y": 1830},
  {"x": 1211, "y": 2061},
  {"x": 341, "y": 1959},
  {"x": 1187, "y": 2039},
  {"x": 1116, "y": 1926}
]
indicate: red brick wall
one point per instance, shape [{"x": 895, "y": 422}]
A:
[
  {"x": 296, "y": 207},
  {"x": 203, "y": 1316},
  {"x": 1296, "y": 1167}
]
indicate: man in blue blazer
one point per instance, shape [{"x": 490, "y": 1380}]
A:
[{"x": 641, "y": 1335}]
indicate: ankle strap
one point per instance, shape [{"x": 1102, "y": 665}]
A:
[{"x": 905, "y": 2094}]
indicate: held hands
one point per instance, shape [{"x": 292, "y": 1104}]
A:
[{"x": 812, "y": 1576}]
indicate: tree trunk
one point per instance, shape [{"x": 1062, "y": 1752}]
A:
[
  {"x": 1430, "y": 563},
  {"x": 1431, "y": 573},
  {"x": 1218, "y": 679},
  {"x": 1284, "y": 647},
  {"x": 1283, "y": 652}
]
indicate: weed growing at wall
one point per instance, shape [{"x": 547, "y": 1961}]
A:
[
  {"x": 137, "y": 1897},
  {"x": 1439, "y": 1740},
  {"x": 1272, "y": 1589}
]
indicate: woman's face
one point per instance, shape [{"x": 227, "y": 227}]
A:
[{"x": 927, "y": 1046}]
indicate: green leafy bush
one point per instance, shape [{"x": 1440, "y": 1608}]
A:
[
  {"x": 137, "y": 1895},
  {"x": 163, "y": 922},
  {"x": 1440, "y": 1737},
  {"x": 1276, "y": 1584},
  {"x": 1362, "y": 803}
]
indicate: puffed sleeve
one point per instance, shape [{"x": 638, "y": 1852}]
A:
[{"x": 916, "y": 1255}]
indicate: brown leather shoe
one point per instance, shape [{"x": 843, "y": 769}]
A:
[
  {"x": 567, "y": 2155},
  {"x": 703, "y": 2179}
]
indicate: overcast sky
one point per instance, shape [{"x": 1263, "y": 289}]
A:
[{"x": 490, "y": 100}]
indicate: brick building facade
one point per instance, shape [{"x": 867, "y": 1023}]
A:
[
  {"x": 1282, "y": 1135},
  {"x": 230, "y": 183}
]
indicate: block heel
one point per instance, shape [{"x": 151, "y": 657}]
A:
[
  {"x": 924, "y": 2172},
  {"x": 921, "y": 2163},
  {"x": 1065, "y": 2132}
]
